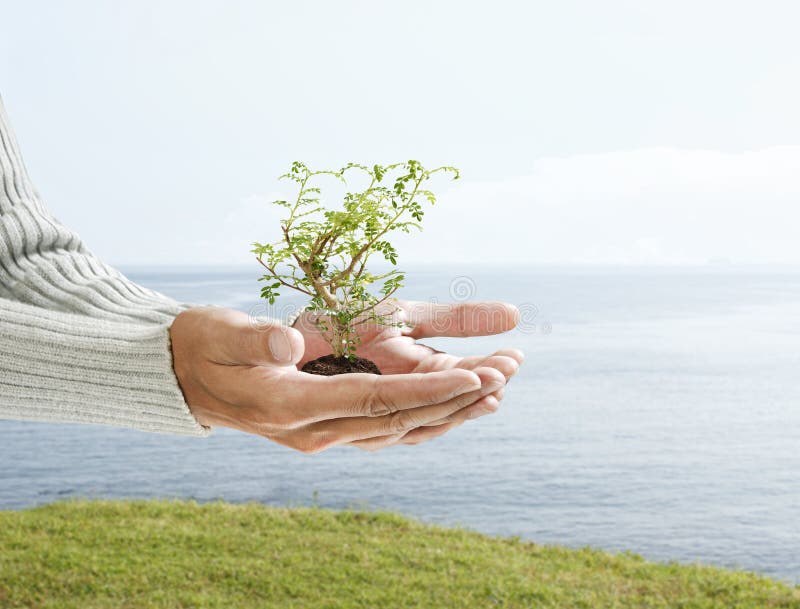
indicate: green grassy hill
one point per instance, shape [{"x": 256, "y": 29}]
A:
[{"x": 87, "y": 554}]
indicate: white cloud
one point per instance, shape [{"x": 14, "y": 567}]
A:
[{"x": 652, "y": 206}]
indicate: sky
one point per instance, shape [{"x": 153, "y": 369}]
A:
[{"x": 615, "y": 132}]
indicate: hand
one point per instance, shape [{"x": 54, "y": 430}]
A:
[
  {"x": 238, "y": 375},
  {"x": 395, "y": 350}
]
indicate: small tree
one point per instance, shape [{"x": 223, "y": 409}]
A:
[{"x": 323, "y": 252}]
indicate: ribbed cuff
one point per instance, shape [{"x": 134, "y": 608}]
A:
[{"x": 65, "y": 367}]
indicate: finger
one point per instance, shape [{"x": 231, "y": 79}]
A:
[
  {"x": 423, "y": 434},
  {"x": 373, "y": 444},
  {"x": 240, "y": 339},
  {"x": 459, "y": 319},
  {"x": 283, "y": 396},
  {"x": 486, "y": 405},
  {"x": 506, "y": 365},
  {"x": 320, "y": 398},
  {"x": 490, "y": 380},
  {"x": 514, "y": 354},
  {"x": 344, "y": 431},
  {"x": 492, "y": 384}
]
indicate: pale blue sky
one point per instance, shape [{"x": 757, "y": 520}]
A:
[{"x": 628, "y": 132}]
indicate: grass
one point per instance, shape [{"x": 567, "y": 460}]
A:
[{"x": 89, "y": 554}]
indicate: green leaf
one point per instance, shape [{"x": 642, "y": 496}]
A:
[{"x": 323, "y": 247}]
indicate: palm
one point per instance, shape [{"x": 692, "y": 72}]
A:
[{"x": 395, "y": 350}]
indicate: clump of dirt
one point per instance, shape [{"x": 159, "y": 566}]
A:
[{"x": 330, "y": 365}]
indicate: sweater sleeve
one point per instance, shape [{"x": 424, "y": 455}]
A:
[{"x": 79, "y": 342}]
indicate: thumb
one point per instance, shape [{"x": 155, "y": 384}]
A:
[{"x": 259, "y": 342}]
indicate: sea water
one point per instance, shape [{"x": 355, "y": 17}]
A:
[{"x": 658, "y": 411}]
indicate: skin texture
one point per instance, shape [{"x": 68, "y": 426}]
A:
[{"x": 245, "y": 375}]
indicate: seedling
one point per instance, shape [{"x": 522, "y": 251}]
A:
[{"x": 324, "y": 251}]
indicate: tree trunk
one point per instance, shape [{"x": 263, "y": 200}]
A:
[{"x": 339, "y": 337}]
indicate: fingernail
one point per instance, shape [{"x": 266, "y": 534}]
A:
[
  {"x": 462, "y": 390},
  {"x": 477, "y": 412},
  {"x": 491, "y": 387},
  {"x": 280, "y": 346},
  {"x": 466, "y": 388}
]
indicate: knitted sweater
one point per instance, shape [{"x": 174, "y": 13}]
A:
[{"x": 79, "y": 342}]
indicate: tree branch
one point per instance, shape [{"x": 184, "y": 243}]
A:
[{"x": 278, "y": 277}]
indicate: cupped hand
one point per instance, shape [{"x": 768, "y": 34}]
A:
[
  {"x": 394, "y": 348},
  {"x": 234, "y": 373}
]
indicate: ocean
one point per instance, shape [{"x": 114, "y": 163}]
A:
[{"x": 658, "y": 411}]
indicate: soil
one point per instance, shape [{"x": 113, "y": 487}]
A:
[{"x": 330, "y": 365}]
